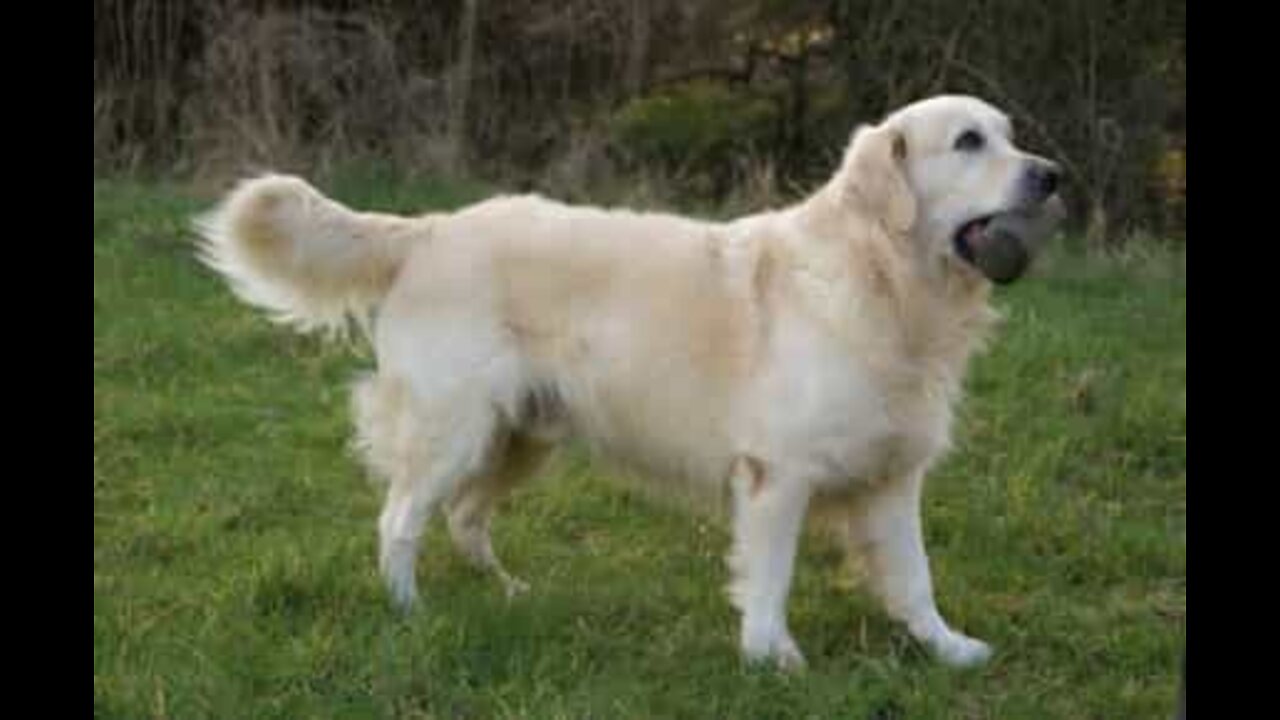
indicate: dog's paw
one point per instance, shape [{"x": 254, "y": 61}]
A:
[
  {"x": 780, "y": 650},
  {"x": 514, "y": 587},
  {"x": 961, "y": 651},
  {"x": 403, "y": 594},
  {"x": 790, "y": 659},
  {"x": 398, "y": 575}
]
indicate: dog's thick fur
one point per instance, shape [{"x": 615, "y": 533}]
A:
[{"x": 805, "y": 359}]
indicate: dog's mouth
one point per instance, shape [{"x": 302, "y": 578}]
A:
[
  {"x": 970, "y": 234},
  {"x": 999, "y": 255},
  {"x": 1001, "y": 245}
]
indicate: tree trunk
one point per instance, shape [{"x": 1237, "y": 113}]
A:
[
  {"x": 638, "y": 49},
  {"x": 461, "y": 90}
]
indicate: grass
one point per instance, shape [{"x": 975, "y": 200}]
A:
[{"x": 234, "y": 570}]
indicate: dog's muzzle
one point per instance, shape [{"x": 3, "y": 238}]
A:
[{"x": 1002, "y": 246}]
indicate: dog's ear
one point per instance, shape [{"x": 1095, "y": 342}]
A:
[{"x": 875, "y": 178}]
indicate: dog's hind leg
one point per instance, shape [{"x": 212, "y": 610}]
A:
[
  {"x": 437, "y": 453},
  {"x": 471, "y": 509}
]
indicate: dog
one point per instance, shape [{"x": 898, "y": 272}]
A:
[{"x": 803, "y": 362}]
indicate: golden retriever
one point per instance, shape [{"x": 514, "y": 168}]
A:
[{"x": 802, "y": 361}]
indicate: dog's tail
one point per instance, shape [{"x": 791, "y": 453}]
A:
[{"x": 309, "y": 261}]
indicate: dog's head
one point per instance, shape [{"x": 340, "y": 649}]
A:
[{"x": 945, "y": 172}]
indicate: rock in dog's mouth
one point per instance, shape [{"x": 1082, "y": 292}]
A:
[{"x": 1001, "y": 245}]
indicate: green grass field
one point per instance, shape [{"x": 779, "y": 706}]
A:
[{"x": 234, "y": 571}]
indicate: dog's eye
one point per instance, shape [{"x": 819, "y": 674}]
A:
[{"x": 969, "y": 141}]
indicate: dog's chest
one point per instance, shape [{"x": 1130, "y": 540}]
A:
[
  {"x": 842, "y": 420},
  {"x": 880, "y": 436}
]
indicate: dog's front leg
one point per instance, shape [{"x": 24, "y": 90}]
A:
[
  {"x": 886, "y": 530},
  {"x": 769, "y": 510}
]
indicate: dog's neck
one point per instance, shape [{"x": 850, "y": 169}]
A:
[{"x": 932, "y": 313}]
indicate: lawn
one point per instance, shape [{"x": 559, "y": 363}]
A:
[{"x": 234, "y": 571}]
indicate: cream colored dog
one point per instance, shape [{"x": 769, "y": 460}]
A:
[{"x": 803, "y": 359}]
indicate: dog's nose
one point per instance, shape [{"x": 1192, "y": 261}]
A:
[{"x": 1045, "y": 176}]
